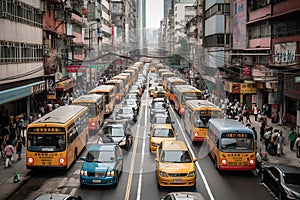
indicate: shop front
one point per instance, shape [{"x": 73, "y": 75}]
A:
[{"x": 23, "y": 99}]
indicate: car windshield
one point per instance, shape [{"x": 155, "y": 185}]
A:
[
  {"x": 110, "y": 131},
  {"x": 126, "y": 111},
  {"x": 130, "y": 102},
  {"x": 161, "y": 120},
  {"x": 176, "y": 156},
  {"x": 158, "y": 105},
  {"x": 100, "y": 156},
  {"x": 292, "y": 178},
  {"x": 163, "y": 132}
]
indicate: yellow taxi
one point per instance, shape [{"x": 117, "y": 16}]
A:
[
  {"x": 159, "y": 133},
  {"x": 160, "y": 92},
  {"x": 175, "y": 165}
]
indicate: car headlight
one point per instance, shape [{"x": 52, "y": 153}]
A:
[
  {"x": 83, "y": 172},
  {"x": 164, "y": 174},
  {"x": 110, "y": 173},
  {"x": 191, "y": 174}
]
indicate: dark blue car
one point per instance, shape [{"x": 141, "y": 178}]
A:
[{"x": 102, "y": 165}]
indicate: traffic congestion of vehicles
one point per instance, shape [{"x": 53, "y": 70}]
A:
[{"x": 151, "y": 117}]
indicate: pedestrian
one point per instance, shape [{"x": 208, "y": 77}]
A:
[
  {"x": 19, "y": 146},
  {"x": 259, "y": 161},
  {"x": 9, "y": 152},
  {"x": 247, "y": 115},
  {"x": 20, "y": 125},
  {"x": 255, "y": 112},
  {"x": 297, "y": 143},
  {"x": 292, "y": 137},
  {"x": 267, "y": 137},
  {"x": 281, "y": 143}
]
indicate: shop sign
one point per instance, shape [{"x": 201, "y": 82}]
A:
[
  {"x": 38, "y": 88},
  {"x": 100, "y": 66},
  {"x": 285, "y": 53},
  {"x": 74, "y": 69},
  {"x": 236, "y": 88},
  {"x": 247, "y": 88},
  {"x": 297, "y": 79},
  {"x": 246, "y": 70}
]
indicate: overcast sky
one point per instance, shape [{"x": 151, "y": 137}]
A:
[{"x": 154, "y": 13}]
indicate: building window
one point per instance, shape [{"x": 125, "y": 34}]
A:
[
  {"x": 216, "y": 40},
  {"x": 20, "y": 12},
  {"x": 13, "y": 52},
  {"x": 260, "y": 30},
  {"x": 217, "y": 9},
  {"x": 285, "y": 27}
]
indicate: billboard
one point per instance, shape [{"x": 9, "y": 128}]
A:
[{"x": 239, "y": 24}]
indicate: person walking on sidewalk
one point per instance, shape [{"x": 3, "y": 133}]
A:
[
  {"x": 267, "y": 137},
  {"x": 19, "y": 146},
  {"x": 281, "y": 143},
  {"x": 9, "y": 152},
  {"x": 292, "y": 137},
  {"x": 255, "y": 112}
]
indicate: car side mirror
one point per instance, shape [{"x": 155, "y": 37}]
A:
[
  {"x": 176, "y": 134},
  {"x": 156, "y": 159},
  {"x": 172, "y": 122},
  {"x": 148, "y": 134},
  {"x": 195, "y": 160}
]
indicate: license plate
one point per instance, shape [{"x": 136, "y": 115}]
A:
[
  {"x": 178, "y": 180},
  {"x": 96, "y": 181}
]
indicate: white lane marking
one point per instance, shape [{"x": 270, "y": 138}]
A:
[
  {"x": 139, "y": 193},
  {"x": 73, "y": 191},
  {"x": 192, "y": 152},
  {"x": 134, "y": 151}
]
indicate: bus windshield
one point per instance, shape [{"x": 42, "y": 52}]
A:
[
  {"x": 190, "y": 96},
  {"x": 230, "y": 144},
  {"x": 46, "y": 142}
]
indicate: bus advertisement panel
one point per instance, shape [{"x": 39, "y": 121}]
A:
[
  {"x": 95, "y": 104},
  {"x": 183, "y": 93},
  {"x": 55, "y": 140},
  {"x": 109, "y": 93},
  {"x": 231, "y": 145},
  {"x": 197, "y": 114}
]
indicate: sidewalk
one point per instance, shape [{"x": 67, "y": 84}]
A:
[
  {"x": 7, "y": 185},
  {"x": 289, "y": 157}
]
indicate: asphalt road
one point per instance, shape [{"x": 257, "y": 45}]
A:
[{"x": 138, "y": 180}]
